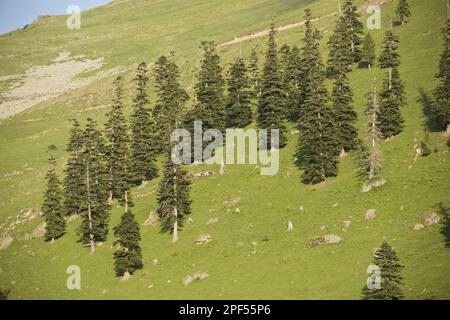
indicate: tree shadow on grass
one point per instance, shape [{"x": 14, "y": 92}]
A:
[
  {"x": 444, "y": 211},
  {"x": 430, "y": 124}
]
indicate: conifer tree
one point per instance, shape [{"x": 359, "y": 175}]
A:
[
  {"x": 370, "y": 153},
  {"x": 403, "y": 11},
  {"x": 290, "y": 74},
  {"x": 4, "y": 294},
  {"x": 441, "y": 106},
  {"x": 118, "y": 148},
  {"x": 393, "y": 94},
  {"x": 341, "y": 57},
  {"x": 318, "y": 147},
  {"x": 171, "y": 99},
  {"x": 143, "y": 141},
  {"x": 73, "y": 180},
  {"x": 270, "y": 104},
  {"x": 254, "y": 73},
  {"x": 238, "y": 102},
  {"x": 52, "y": 207},
  {"x": 128, "y": 257},
  {"x": 390, "y": 268},
  {"x": 368, "y": 51},
  {"x": 354, "y": 28},
  {"x": 94, "y": 227}
]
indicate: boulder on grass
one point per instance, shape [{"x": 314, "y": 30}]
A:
[
  {"x": 431, "y": 218},
  {"x": 5, "y": 242},
  {"x": 370, "y": 214},
  {"x": 326, "y": 239},
  {"x": 418, "y": 226},
  {"x": 203, "y": 239}
]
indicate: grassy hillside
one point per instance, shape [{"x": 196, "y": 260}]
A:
[{"x": 281, "y": 265}]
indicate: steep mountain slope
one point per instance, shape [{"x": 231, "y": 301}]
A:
[{"x": 279, "y": 264}]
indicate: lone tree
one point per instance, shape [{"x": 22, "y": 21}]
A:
[
  {"x": 393, "y": 93},
  {"x": 370, "y": 154},
  {"x": 354, "y": 28},
  {"x": 52, "y": 206},
  {"x": 128, "y": 257},
  {"x": 390, "y": 271},
  {"x": 143, "y": 150},
  {"x": 171, "y": 98},
  {"x": 238, "y": 103},
  {"x": 118, "y": 148},
  {"x": 318, "y": 145},
  {"x": 74, "y": 180},
  {"x": 403, "y": 11},
  {"x": 253, "y": 67},
  {"x": 441, "y": 106},
  {"x": 270, "y": 104},
  {"x": 368, "y": 51},
  {"x": 94, "y": 227}
]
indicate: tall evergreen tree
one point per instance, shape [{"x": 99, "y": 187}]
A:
[
  {"x": 290, "y": 74},
  {"x": 238, "y": 102},
  {"x": 270, "y": 104},
  {"x": 341, "y": 56},
  {"x": 403, "y": 11},
  {"x": 52, "y": 207},
  {"x": 73, "y": 180},
  {"x": 94, "y": 227},
  {"x": 254, "y": 73},
  {"x": 393, "y": 94},
  {"x": 441, "y": 106},
  {"x": 318, "y": 147},
  {"x": 368, "y": 51},
  {"x": 118, "y": 148},
  {"x": 370, "y": 153},
  {"x": 390, "y": 268},
  {"x": 171, "y": 98},
  {"x": 354, "y": 28},
  {"x": 128, "y": 257},
  {"x": 143, "y": 141}
]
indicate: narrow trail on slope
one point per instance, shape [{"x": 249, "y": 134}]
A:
[{"x": 263, "y": 33}]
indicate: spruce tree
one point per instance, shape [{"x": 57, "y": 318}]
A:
[
  {"x": 94, "y": 227},
  {"x": 171, "y": 99},
  {"x": 128, "y": 257},
  {"x": 270, "y": 104},
  {"x": 254, "y": 73},
  {"x": 403, "y": 11},
  {"x": 238, "y": 102},
  {"x": 318, "y": 147},
  {"x": 390, "y": 268},
  {"x": 290, "y": 74},
  {"x": 370, "y": 153},
  {"x": 368, "y": 51},
  {"x": 340, "y": 57},
  {"x": 73, "y": 180},
  {"x": 441, "y": 107},
  {"x": 393, "y": 93},
  {"x": 174, "y": 203},
  {"x": 118, "y": 148},
  {"x": 143, "y": 140},
  {"x": 52, "y": 207},
  {"x": 354, "y": 28}
]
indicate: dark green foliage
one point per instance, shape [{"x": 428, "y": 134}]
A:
[
  {"x": 4, "y": 294},
  {"x": 393, "y": 93},
  {"x": 143, "y": 140},
  {"x": 341, "y": 56},
  {"x": 253, "y": 67},
  {"x": 73, "y": 180},
  {"x": 128, "y": 257},
  {"x": 345, "y": 116},
  {"x": 94, "y": 226},
  {"x": 403, "y": 11},
  {"x": 425, "y": 145},
  {"x": 52, "y": 207},
  {"x": 209, "y": 91},
  {"x": 173, "y": 197},
  {"x": 290, "y": 73},
  {"x": 386, "y": 259},
  {"x": 368, "y": 51},
  {"x": 318, "y": 147},
  {"x": 238, "y": 103},
  {"x": 271, "y": 102},
  {"x": 441, "y": 106},
  {"x": 171, "y": 99},
  {"x": 118, "y": 149},
  {"x": 354, "y": 28}
]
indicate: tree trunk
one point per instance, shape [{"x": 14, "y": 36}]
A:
[
  {"x": 390, "y": 78},
  {"x": 126, "y": 201}
]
